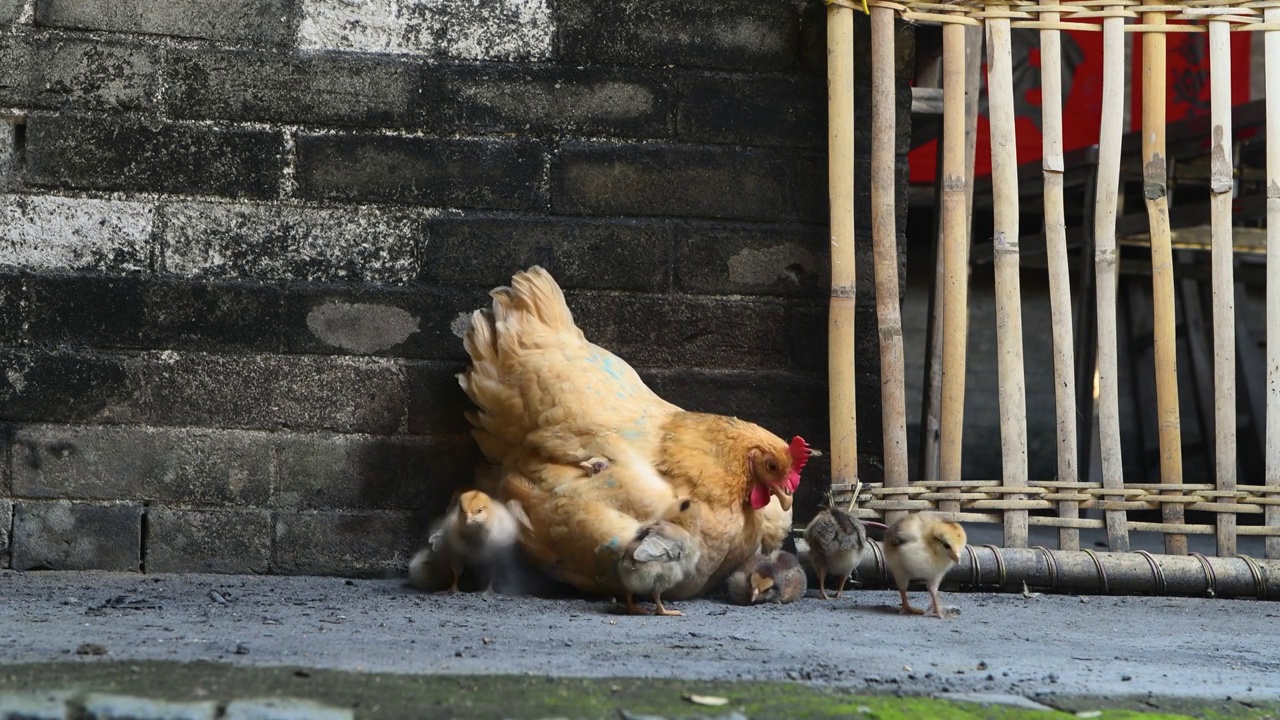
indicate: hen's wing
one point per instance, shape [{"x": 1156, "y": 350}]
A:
[{"x": 657, "y": 546}]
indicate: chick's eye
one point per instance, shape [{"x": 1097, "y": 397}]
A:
[{"x": 946, "y": 544}]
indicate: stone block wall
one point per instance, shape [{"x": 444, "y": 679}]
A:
[{"x": 238, "y": 237}]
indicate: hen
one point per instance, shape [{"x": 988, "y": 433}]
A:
[{"x": 589, "y": 452}]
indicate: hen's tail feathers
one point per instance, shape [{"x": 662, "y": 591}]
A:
[{"x": 537, "y": 296}]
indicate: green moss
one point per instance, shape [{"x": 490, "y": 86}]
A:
[{"x": 377, "y": 696}]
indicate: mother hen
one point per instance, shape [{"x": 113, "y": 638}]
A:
[{"x": 548, "y": 401}]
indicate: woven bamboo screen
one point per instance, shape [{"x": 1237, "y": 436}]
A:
[{"x": 1016, "y": 501}]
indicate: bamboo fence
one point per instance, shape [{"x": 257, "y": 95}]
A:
[{"x": 1068, "y": 503}]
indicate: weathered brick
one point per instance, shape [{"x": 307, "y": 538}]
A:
[
  {"x": 8, "y": 151},
  {"x": 360, "y": 472},
  {"x": 10, "y": 10},
  {"x": 138, "y": 312},
  {"x": 594, "y": 178},
  {"x": 224, "y": 391},
  {"x": 436, "y": 401},
  {"x": 280, "y": 708},
  {"x": 268, "y": 241},
  {"x": 103, "y": 706},
  {"x": 753, "y": 259},
  {"x": 208, "y": 541},
  {"x": 737, "y": 34},
  {"x": 362, "y": 544},
  {"x": 166, "y": 465},
  {"x": 46, "y": 232},
  {"x": 120, "y": 154},
  {"x": 37, "y": 71},
  {"x": 273, "y": 86},
  {"x": 269, "y": 392},
  {"x": 580, "y": 253},
  {"x": 62, "y": 535},
  {"x": 6, "y": 524},
  {"x": 64, "y": 387},
  {"x": 681, "y": 331},
  {"x": 752, "y": 110},
  {"x": 494, "y": 173},
  {"x": 498, "y": 30},
  {"x": 542, "y": 100},
  {"x": 751, "y": 395},
  {"x": 34, "y": 706},
  {"x": 366, "y": 320},
  {"x": 249, "y": 21}
]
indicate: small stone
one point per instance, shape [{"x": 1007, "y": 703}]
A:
[
  {"x": 241, "y": 649},
  {"x": 1126, "y": 678},
  {"x": 91, "y": 649}
]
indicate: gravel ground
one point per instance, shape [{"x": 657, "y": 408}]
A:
[{"x": 1033, "y": 647}]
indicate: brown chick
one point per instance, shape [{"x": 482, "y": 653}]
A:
[
  {"x": 923, "y": 546},
  {"x": 778, "y": 579},
  {"x": 837, "y": 541},
  {"x": 478, "y": 532},
  {"x": 663, "y": 552}
]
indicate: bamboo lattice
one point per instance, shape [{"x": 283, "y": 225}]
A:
[{"x": 1068, "y": 503}]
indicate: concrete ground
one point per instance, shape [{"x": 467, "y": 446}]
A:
[{"x": 1042, "y": 647}]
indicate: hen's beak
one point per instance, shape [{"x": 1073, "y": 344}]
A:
[{"x": 783, "y": 493}]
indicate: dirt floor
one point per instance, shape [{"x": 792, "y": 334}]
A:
[{"x": 1054, "y": 650}]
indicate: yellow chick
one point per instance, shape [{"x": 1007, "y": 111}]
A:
[
  {"x": 923, "y": 546},
  {"x": 663, "y": 552},
  {"x": 478, "y": 533}
]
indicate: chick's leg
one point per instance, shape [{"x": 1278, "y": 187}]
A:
[
  {"x": 843, "y": 579},
  {"x": 820, "y": 568},
  {"x": 455, "y": 565},
  {"x": 936, "y": 608},
  {"x": 657, "y": 601},
  {"x": 906, "y": 608},
  {"x": 633, "y": 608}
]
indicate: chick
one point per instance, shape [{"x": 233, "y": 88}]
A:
[
  {"x": 594, "y": 465},
  {"x": 837, "y": 541},
  {"x": 477, "y": 533},
  {"x": 662, "y": 553},
  {"x": 778, "y": 579},
  {"x": 923, "y": 546}
]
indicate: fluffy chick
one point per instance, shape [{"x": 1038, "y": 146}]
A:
[
  {"x": 478, "y": 532},
  {"x": 923, "y": 546},
  {"x": 663, "y": 552},
  {"x": 837, "y": 541},
  {"x": 778, "y": 579}
]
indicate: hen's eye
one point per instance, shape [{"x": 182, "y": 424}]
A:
[{"x": 773, "y": 466}]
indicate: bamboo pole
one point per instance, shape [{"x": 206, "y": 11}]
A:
[
  {"x": 1004, "y": 186},
  {"x": 1221, "y": 188},
  {"x": 884, "y": 233},
  {"x": 1272, "y": 57},
  {"x": 840, "y": 356},
  {"x": 1105, "y": 260},
  {"x": 955, "y": 257},
  {"x": 1156, "y": 191},
  {"x": 932, "y": 422},
  {"x": 1055, "y": 231},
  {"x": 992, "y": 569}
]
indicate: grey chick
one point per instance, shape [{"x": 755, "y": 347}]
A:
[
  {"x": 663, "y": 552},
  {"x": 837, "y": 541}
]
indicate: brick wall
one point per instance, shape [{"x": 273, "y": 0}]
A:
[{"x": 236, "y": 239}]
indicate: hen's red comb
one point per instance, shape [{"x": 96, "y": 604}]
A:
[{"x": 799, "y": 450}]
